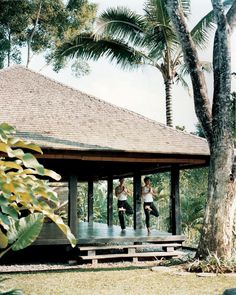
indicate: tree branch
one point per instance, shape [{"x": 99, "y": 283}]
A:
[
  {"x": 201, "y": 100},
  {"x": 32, "y": 33},
  {"x": 231, "y": 15}
]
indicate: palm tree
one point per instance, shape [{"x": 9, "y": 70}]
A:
[{"x": 134, "y": 40}]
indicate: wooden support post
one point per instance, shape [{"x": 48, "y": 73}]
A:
[
  {"x": 90, "y": 201},
  {"x": 72, "y": 204},
  {"x": 175, "y": 219},
  {"x": 137, "y": 202},
  {"x": 109, "y": 200}
]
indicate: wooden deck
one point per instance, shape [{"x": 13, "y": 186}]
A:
[
  {"x": 102, "y": 234},
  {"x": 98, "y": 233},
  {"x": 98, "y": 242}
]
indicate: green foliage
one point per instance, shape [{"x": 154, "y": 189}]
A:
[
  {"x": 213, "y": 264},
  {"x": 193, "y": 192},
  {"x": 23, "y": 191},
  {"x": 161, "y": 183},
  {"x": 41, "y": 25}
]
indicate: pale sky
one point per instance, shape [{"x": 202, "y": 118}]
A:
[{"x": 141, "y": 91}]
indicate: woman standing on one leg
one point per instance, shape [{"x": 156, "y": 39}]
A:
[
  {"x": 149, "y": 208},
  {"x": 121, "y": 193}
]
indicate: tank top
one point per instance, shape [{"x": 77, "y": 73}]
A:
[
  {"x": 148, "y": 197},
  {"x": 121, "y": 194}
]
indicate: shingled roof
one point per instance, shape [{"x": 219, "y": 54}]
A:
[{"x": 59, "y": 117}]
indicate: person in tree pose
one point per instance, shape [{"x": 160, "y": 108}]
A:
[
  {"x": 149, "y": 208},
  {"x": 122, "y": 193}
]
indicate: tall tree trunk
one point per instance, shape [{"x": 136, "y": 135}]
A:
[
  {"x": 217, "y": 229},
  {"x": 169, "y": 112},
  {"x": 9, "y": 50},
  {"x": 32, "y": 35}
]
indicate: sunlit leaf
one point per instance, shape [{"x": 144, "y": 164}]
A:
[
  {"x": 64, "y": 228},
  {"x": 52, "y": 174},
  {"x": 21, "y": 144},
  {"x": 9, "y": 211},
  {"x": 3, "y": 240},
  {"x": 4, "y": 221},
  {"x": 25, "y": 231},
  {"x": 10, "y": 165}
]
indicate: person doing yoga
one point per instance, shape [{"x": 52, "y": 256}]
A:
[
  {"x": 124, "y": 207},
  {"x": 149, "y": 208}
]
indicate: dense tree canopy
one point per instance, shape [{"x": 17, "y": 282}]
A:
[{"x": 40, "y": 25}]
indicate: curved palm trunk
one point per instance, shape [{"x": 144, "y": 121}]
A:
[{"x": 169, "y": 111}]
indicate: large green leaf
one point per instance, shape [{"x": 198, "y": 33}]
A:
[
  {"x": 3, "y": 241},
  {"x": 30, "y": 161},
  {"x": 25, "y": 231},
  {"x": 8, "y": 210},
  {"x": 15, "y": 142},
  {"x": 64, "y": 228}
]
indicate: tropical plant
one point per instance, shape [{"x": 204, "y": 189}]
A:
[
  {"x": 213, "y": 264},
  {"x": 193, "y": 192},
  {"x": 26, "y": 198},
  {"x": 161, "y": 183},
  {"x": 215, "y": 116},
  {"x": 134, "y": 40}
]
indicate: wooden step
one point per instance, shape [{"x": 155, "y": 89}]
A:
[
  {"x": 132, "y": 255},
  {"x": 110, "y": 247}
]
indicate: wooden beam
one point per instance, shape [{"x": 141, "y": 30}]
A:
[
  {"x": 137, "y": 201},
  {"x": 90, "y": 200},
  {"x": 109, "y": 200},
  {"x": 72, "y": 204},
  {"x": 175, "y": 218},
  {"x": 172, "y": 160}
]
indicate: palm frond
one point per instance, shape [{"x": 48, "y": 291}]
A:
[
  {"x": 200, "y": 33},
  {"x": 160, "y": 38},
  {"x": 160, "y": 35},
  {"x": 87, "y": 47},
  {"x": 186, "y": 7},
  {"x": 180, "y": 79},
  {"x": 123, "y": 24},
  {"x": 156, "y": 12}
]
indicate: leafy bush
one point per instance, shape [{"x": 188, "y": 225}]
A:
[
  {"x": 26, "y": 198},
  {"x": 213, "y": 264}
]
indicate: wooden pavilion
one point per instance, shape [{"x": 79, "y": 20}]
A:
[{"x": 86, "y": 139}]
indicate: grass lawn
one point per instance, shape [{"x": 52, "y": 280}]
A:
[{"x": 119, "y": 282}]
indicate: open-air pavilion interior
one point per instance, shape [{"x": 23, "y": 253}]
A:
[{"x": 87, "y": 140}]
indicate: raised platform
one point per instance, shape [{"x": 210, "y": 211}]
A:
[
  {"x": 97, "y": 242},
  {"x": 99, "y": 233}
]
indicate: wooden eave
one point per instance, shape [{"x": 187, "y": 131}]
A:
[
  {"x": 101, "y": 164},
  {"x": 121, "y": 156}
]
